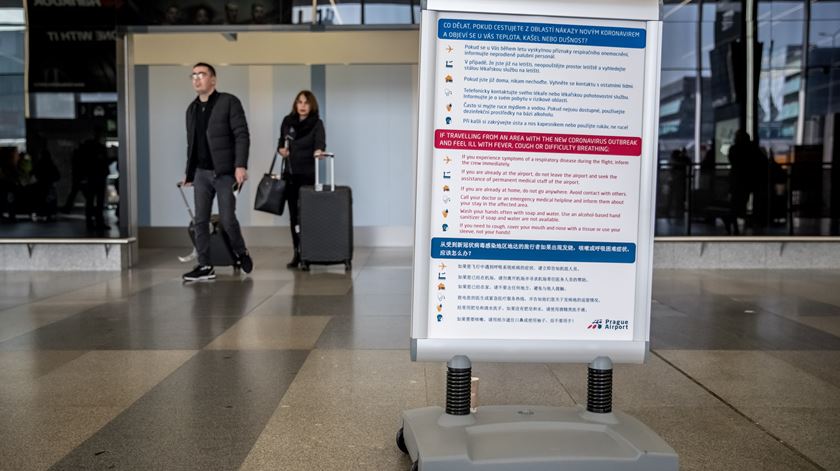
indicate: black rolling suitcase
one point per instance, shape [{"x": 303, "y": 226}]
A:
[
  {"x": 326, "y": 222},
  {"x": 221, "y": 252}
]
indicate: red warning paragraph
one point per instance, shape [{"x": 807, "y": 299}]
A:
[{"x": 537, "y": 142}]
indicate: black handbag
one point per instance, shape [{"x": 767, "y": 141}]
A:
[{"x": 271, "y": 192}]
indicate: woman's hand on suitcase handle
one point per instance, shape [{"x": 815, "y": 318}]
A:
[
  {"x": 319, "y": 154},
  {"x": 184, "y": 183},
  {"x": 283, "y": 151}
]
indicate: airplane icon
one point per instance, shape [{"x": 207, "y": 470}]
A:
[
  {"x": 442, "y": 266},
  {"x": 449, "y": 48},
  {"x": 446, "y": 159}
]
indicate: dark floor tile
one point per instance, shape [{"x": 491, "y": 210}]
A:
[
  {"x": 691, "y": 333},
  {"x": 168, "y": 316},
  {"x": 206, "y": 415},
  {"x": 305, "y": 305},
  {"x": 18, "y": 287},
  {"x": 704, "y": 304},
  {"x": 366, "y": 332},
  {"x": 384, "y": 304},
  {"x": 383, "y": 280},
  {"x": 729, "y": 329}
]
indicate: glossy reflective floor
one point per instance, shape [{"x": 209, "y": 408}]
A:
[{"x": 285, "y": 370}]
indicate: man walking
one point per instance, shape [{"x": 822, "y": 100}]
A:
[{"x": 217, "y": 162}]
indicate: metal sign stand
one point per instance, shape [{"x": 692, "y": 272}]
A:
[{"x": 533, "y": 438}]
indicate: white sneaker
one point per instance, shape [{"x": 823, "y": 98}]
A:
[{"x": 188, "y": 258}]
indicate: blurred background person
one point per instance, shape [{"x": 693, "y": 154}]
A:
[
  {"x": 171, "y": 16},
  {"x": 202, "y": 16},
  {"x": 259, "y": 16},
  {"x": 231, "y": 16}
]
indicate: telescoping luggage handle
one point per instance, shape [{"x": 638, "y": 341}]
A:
[
  {"x": 318, "y": 185},
  {"x": 186, "y": 203}
]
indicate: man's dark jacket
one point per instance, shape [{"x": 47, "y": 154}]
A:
[{"x": 227, "y": 136}]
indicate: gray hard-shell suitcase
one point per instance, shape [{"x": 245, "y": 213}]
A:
[
  {"x": 221, "y": 252},
  {"x": 326, "y": 222}
]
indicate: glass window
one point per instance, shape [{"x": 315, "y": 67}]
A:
[
  {"x": 825, "y": 10},
  {"x": 822, "y": 93},
  {"x": 789, "y": 10},
  {"x": 679, "y": 45},
  {"x": 11, "y": 51},
  {"x": 389, "y": 12},
  {"x": 676, "y": 110},
  {"x": 778, "y": 106},
  {"x": 824, "y": 43},
  {"x": 720, "y": 28},
  {"x": 327, "y": 12},
  {"x": 781, "y": 43},
  {"x": 53, "y": 105},
  {"x": 11, "y": 108},
  {"x": 12, "y": 16},
  {"x": 729, "y": 9},
  {"x": 679, "y": 10},
  {"x": 12, "y": 126}
]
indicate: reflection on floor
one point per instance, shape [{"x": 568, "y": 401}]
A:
[
  {"x": 298, "y": 371},
  {"x": 60, "y": 226}
]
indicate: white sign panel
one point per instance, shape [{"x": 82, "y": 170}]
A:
[{"x": 534, "y": 204}]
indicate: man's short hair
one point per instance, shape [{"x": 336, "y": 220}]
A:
[{"x": 209, "y": 67}]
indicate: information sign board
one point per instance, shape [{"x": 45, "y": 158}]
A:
[{"x": 534, "y": 207}]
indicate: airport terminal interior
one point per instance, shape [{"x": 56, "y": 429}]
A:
[{"x": 109, "y": 360}]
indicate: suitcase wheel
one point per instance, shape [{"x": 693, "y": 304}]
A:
[
  {"x": 304, "y": 266},
  {"x": 348, "y": 265}
]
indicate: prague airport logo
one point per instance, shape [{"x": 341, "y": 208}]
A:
[{"x": 608, "y": 324}]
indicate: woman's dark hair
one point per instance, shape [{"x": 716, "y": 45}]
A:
[{"x": 310, "y": 98}]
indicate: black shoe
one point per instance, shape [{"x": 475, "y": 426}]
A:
[
  {"x": 245, "y": 262},
  {"x": 294, "y": 263},
  {"x": 201, "y": 272}
]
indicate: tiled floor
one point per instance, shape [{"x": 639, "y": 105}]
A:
[{"x": 284, "y": 370}]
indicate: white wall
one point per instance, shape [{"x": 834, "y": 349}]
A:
[{"x": 370, "y": 113}]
